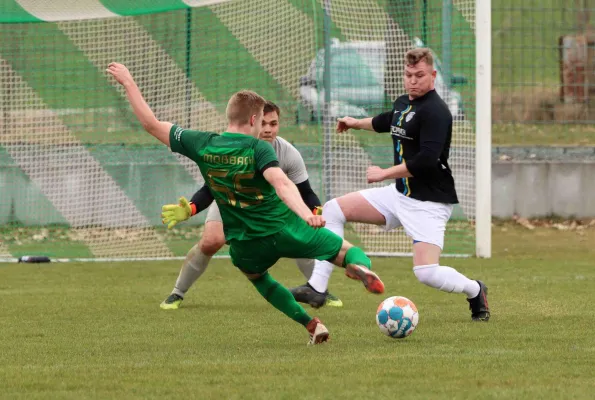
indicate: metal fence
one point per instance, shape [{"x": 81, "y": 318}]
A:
[{"x": 543, "y": 55}]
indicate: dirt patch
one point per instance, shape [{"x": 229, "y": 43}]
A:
[{"x": 560, "y": 224}]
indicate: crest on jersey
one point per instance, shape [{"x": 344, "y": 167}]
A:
[{"x": 409, "y": 116}]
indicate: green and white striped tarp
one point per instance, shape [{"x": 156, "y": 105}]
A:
[
  {"x": 67, "y": 10},
  {"x": 78, "y": 172}
]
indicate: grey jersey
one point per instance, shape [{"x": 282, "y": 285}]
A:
[{"x": 290, "y": 160}]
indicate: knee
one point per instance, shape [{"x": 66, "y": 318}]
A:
[
  {"x": 425, "y": 274},
  {"x": 211, "y": 244},
  {"x": 332, "y": 203},
  {"x": 332, "y": 211},
  {"x": 253, "y": 277},
  {"x": 426, "y": 254}
]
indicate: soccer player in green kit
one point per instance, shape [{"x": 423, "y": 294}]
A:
[{"x": 264, "y": 217}]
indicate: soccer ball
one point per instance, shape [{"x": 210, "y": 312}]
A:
[{"x": 397, "y": 317}]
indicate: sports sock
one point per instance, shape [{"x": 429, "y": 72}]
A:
[
  {"x": 306, "y": 266},
  {"x": 446, "y": 279},
  {"x": 320, "y": 276},
  {"x": 280, "y": 298},
  {"x": 334, "y": 217},
  {"x": 193, "y": 267},
  {"x": 335, "y": 222},
  {"x": 355, "y": 255}
]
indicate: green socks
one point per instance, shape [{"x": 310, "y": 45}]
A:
[
  {"x": 355, "y": 255},
  {"x": 281, "y": 298}
]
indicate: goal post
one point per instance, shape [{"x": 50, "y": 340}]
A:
[
  {"x": 80, "y": 179},
  {"x": 483, "y": 129}
]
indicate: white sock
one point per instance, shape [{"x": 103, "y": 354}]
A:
[
  {"x": 446, "y": 279},
  {"x": 321, "y": 275},
  {"x": 335, "y": 219},
  {"x": 306, "y": 265},
  {"x": 335, "y": 222},
  {"x": 194, "y": 265}
]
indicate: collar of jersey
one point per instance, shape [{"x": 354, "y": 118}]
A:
[
  {"x": 425, "y": 96},
  {"x": 233, "y": 134}
]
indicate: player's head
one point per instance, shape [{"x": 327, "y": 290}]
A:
[
  {"x": 270, "y": 122},
  {"x": 419, "y": 72},
  {"x": 244, "y": 112}
]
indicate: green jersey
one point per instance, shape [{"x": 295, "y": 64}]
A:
[{"x": 232, "y": 166}]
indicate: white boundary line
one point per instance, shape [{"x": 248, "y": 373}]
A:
[{"x": 66, "y": 260}]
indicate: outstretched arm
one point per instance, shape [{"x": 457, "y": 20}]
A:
[
  {"x": 380, "y": 123},
  {"x": 377, "y": 174},
  {"x": 160, "y": 130},
  {"x": 346, "y": 123}
]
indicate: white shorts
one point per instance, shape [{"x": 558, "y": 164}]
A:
[
  {"x": 213, "y": 214},
  {"x": 423, "y": 221}
]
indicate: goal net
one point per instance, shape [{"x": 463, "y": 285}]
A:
[{"x": 80, "y": 179}]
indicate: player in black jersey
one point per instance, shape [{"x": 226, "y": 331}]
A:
[{"x": 421, "y": 199}]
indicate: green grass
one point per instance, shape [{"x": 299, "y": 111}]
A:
[
  {"x": 525, "y": 40},
  {"x": 94, "y": 330},
  {"x": 549, "y": 134},
  {"x": 59, "y": 241}
]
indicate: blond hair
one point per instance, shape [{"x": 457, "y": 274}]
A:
[
  {"x": 414, "y": 56},
  {"x": 243, "y": 105}
]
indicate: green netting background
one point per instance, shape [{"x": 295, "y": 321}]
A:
[{"x": 80, "y": 178}]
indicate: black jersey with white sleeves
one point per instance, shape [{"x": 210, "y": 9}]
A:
[{"x": 421, "y": 130}]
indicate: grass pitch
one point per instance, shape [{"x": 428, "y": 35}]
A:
[{"x": 95, "y": 330}]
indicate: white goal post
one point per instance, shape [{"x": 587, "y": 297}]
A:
[{"x": 483, "y": 128}]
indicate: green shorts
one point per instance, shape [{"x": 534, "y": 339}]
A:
[{"x": 296, "y": 240}]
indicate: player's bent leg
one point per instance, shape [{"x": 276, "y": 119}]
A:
[
  {"x": 335, "y": 222},
  {"x": 279, "y": 297},
  {"x": 352, "y": 207},
  {"x": 356, "y": 208},
  {"x": 175, "y": 298},
  {"x": 306, "y": 266},
  {"x": 195, "y": 264},
  {"x": 358, "y": 266},
  {"x": 363, "y": 207},
  {"x": 254, "y": 258},
  {"x": 425, "y": 223},
  {"x": 282, "y": 299},
  {"x": 429, "y": 272}
]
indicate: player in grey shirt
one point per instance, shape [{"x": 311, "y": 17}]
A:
[{"x": 213, "y": 239}]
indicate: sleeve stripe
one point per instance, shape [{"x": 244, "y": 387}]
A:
[{"x": 272, "y": 164}]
